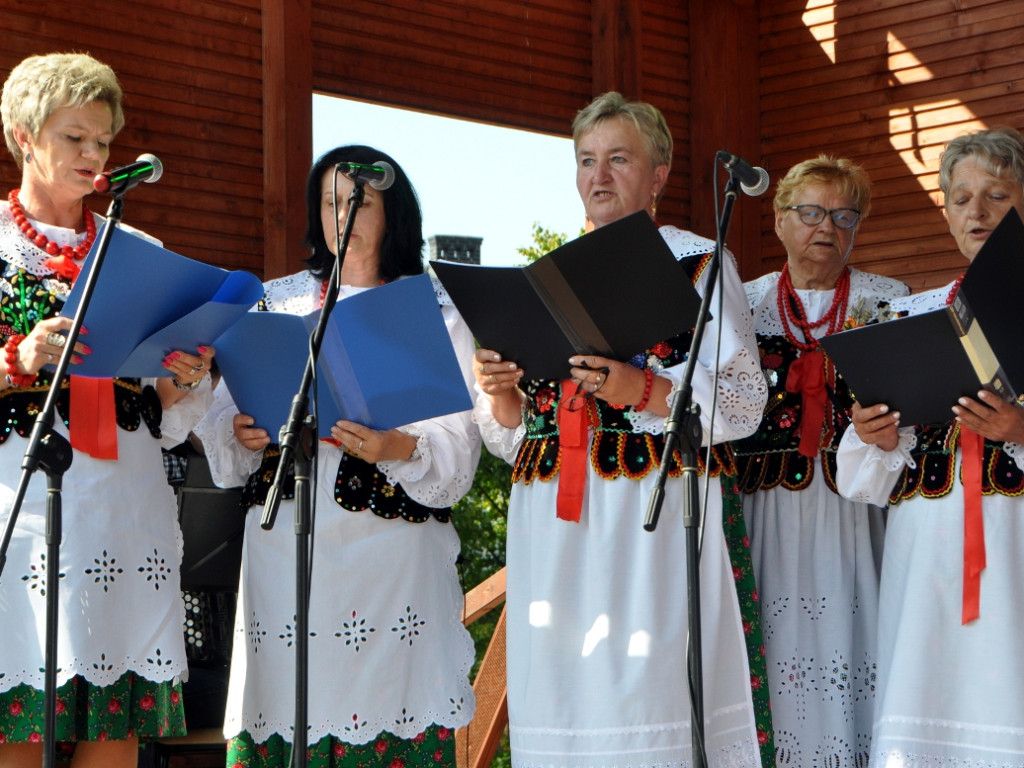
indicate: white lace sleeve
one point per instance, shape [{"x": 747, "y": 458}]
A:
[
  {"x": 498, "y": 440},
  {"x": 230, "y": 462},
  {"x": 183, "y": 417},
  {"x": 449, "y": 446},
  {"x": 1016, "y": 452},
  {"x": 741, "y": 386},
  {"x": 866, "y": 472}
]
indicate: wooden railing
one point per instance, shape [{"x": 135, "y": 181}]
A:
[{"x": 477, "y": 743}]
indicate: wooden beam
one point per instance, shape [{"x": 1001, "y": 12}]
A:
[
  {"x": 616, "y": 45},
  {"x": 486, "y": 595},
  {"x": 725, "y": 114},
  {"x": 287, "y": 131}
]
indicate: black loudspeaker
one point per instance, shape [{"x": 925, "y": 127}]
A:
[{"x": 212, "y": 525}]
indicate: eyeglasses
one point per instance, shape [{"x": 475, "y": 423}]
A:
[
  {"x": 579, "y": 399},
  {"x": 812, "y": 215}
]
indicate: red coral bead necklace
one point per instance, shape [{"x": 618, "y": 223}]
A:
[
  {"x": 792, "y": 313},
  {"x": 64, "y": 255}
]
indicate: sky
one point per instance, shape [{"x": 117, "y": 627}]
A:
[{"x": 509, "y": 178}]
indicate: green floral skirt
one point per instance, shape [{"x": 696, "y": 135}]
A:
[
  {"x": 434, "y": 747},
  {"x": 130, "y": 707},
  {"x": 735, "y": 528}
]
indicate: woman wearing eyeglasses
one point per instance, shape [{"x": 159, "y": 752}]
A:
[
  {"x": 596, "y": 605},
  {"x": 816, "y": 556}
]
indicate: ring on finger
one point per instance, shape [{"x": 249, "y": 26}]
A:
[
  {"x": 360, "y": 446},
  {"x": 55, "y": 339},
  {"x": 49, "y": 357}
]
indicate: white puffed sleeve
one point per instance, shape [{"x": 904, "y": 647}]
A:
[
  {"x": 449, "y": 446},
  {"x": 1016, "y": 452},
  {"x": 741, "y": 386},
  {"x": 231, "y": 463},
  {"x": 499, "y": 440},
  {"x": 866, "y": 472},
  {"x": 183, "y": 416}
]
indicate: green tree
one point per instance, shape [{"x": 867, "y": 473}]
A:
[{"x": 544, "y": 241}]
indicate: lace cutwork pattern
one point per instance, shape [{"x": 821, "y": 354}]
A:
[
  {"x": 770, "y": 458},
  {"x": 761, "y": 293}
]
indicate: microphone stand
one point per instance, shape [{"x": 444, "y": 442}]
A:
[
  {"x": 52, "y": 451},
  {"x": 299, "y": 431},
  {"x": 683, "y": 427}
]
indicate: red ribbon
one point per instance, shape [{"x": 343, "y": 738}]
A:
[
  {"x": 807, "y": 376},
  {"x": 972, "y": 447},
  {"x": 93, "y": 417},
  {"x": 64, "y": 266},
  {"x": 572, "y": 474}
]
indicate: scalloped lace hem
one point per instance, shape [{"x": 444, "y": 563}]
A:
[
  {"x": 101, "y": 675},
  {"x": 355, "y": 730}
]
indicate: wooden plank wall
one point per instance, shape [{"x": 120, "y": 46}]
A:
[
  {"x": 525, "y": 65},
  {"x": 191, "y": 72},
  {"x": 665, "y": 81},
  {"x": 887, "y": 83}
]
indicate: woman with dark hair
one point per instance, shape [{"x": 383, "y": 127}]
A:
[{"x": 389, "y": 657}]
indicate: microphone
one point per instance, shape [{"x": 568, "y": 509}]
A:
[
  {"x": 754, "y": 181},
  {"x": 147, "y": 168},
  {"x": 380, "y": 175}
]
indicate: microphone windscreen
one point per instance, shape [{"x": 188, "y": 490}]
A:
[
  {"x": 762, "y": 183},
  {"x": 158, "y": 167},
  {"x": 389, "y": 176}
]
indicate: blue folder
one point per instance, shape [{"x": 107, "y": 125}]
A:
[
  {"x": 386, "y": 360},
  {"x": 149, "y": 301}
]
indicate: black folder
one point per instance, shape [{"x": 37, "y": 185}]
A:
[
  {"x": 921, "y": 365},
  {"x": 613, "y": 292}
]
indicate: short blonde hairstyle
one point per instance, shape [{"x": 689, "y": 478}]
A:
[
  {"x": 647, "y": 118},
  {"x": 997, "y": 150},
  {"x": 40, "y": 85},
  {"x": 852, "y": 180}
]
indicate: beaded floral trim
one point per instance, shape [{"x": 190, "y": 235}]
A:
[
  {"x": 617, "y": 450},
  {"x": 935, "y": 457},
  {"x": 769, "y": 458},
  {"x": 358, "y": 486}
]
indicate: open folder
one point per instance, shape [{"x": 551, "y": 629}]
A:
[
  {"x": 148, "y": 302},
  {"x": 920, "y": 365},
  {"x": 386, "y": 360},
  {"x": 613, "y": 292}
]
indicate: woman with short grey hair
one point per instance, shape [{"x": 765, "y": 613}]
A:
[{"x": 951, "y": 601}]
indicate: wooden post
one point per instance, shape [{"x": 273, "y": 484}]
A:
[
  {"x": 725, "y": 114},
  {"x": 616, "y": 45},
  {"x": 287, "y": 131}
]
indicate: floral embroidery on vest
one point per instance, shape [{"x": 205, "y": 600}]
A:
[
  {"x": 25, "y": 299},
  {"x": 769, "y": 457},
  {"x": 616, "y": 449},
  {"x": 935, "y": 456},
  {"x": 358, "y": 486}
]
